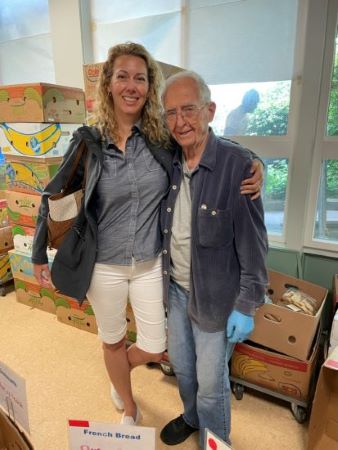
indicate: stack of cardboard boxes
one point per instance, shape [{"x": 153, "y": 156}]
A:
[
  {"x": 36, "y": 124},
  {"x": 281, "y": 356}
]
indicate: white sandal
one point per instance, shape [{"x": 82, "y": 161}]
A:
[{"x": 117, "y": 400}]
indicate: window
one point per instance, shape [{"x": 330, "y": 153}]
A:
[
  {"x": 25, "y": 42},
  {"x": 244, "y": 49},
  {"x": 326, "y": 222},
  {"x": 332, "y": 119}
]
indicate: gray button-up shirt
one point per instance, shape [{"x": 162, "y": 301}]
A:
[{"x": 129, "y": 192}]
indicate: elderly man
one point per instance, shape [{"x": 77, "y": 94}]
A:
[{"x": 214, "y": 252}]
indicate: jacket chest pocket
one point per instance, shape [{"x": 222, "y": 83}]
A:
[{"x": 214, "y": 227}]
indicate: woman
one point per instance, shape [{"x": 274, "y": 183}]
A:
[{"x": 127, "y": 177}]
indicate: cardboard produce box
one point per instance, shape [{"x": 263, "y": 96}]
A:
[
  {"x": 5, "y": 268},
  {"x": 30, "y": 176},
  {"x": 33, "y": 140},
  {"x": 41, "y": 102},
  {"x": 34, "y": 295},
  {"x": 323, "y": 427},
  {"x": 274, "y": 371},
  {"x": 282, "y": 329},
  {"x": 22, "y": 266},
  {"x": 22, "y": 208},
  {"x": 3, "y": 213},
  {"x": 11, "y": 438},
  {"x": 91, "y": 75},
  {"x": 6, "y": 239},
  {"x": 69, "y": 311}
]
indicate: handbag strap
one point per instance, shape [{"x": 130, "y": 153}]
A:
[{"x": 82, "y": 149}]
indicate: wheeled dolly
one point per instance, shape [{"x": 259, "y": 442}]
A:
[{"x": 299, "y": 408}]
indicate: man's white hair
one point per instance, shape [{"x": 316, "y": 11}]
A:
[{"x": 203, "y": 88}]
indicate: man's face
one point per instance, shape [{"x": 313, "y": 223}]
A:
[{"x": 187, "y": 117}]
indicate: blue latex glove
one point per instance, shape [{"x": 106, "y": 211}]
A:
[{"x": 239, "y": 327}]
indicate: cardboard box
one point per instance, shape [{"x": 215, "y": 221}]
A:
[
  {"x": 30, "y": 176},
  {"x": 323, "y": 427},
  {"x": 274, "y": 371},
  {"x": 69, "y": 311},
  {"x": 5, "y": 268},
  {"x": 6, "y": 239},
  {"x": 10, "y": 435},
  {"x": 91, "y": 75},
  {"x": 3, "y": 213},
  {"x": 34, "y": 140},
  {"x": 41, "y": 102},
  {"x": 282, "y": 329},
  {"x": 34, "y": 295},
  {"x": 22, "y": 266},
  {"x": 22, "y": 208}
]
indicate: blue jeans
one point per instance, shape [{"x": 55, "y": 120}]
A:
[{"x": 200, "y": 361}]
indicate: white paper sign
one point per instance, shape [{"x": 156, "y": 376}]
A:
[
  {"x": 13, "y": 397},
  {"x": 85, "y": 435},
  {"x": 213, "y": 442}
]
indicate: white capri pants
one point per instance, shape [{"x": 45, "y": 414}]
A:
[{"x": 111, "y": 287}]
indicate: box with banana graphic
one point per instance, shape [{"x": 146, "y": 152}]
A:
[
  {"x": 274, "y": 371},
  {"x": 33, "y": 140},
  {"x": 22, "y": 266},
  {"x": 29, "y": 175},
  {"x": 5, "y": 268},
  {"x": 41, "y": 102}
]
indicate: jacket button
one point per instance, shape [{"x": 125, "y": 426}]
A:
[
  {"x": 165, "y": 231},
  {"x": 174, "y": 187},
  {"x": 213, "y": 213},
  {"x": 165, "y": 272},
  {"x": 165, "y": 252},
  {"x": 169, "y": 209},
  {"x": 203, "y": 206}
]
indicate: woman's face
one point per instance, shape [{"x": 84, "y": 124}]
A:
[{"x": 129, "y": 86}]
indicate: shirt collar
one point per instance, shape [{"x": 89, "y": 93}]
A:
[
  {"x": 208, "y": 159},
  {"x": 135, "y": 130}
]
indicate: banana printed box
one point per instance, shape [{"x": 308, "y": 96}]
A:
[
  {"x": 33, "y": 140},
  {"x": 34, "y": 295},
  {"x": 22, "y": 266},
  {"x": 6, "y": 239},
  {"x": 41, "y": 102},
  {"x": 30, "y": 176},
  {"x": 22, "y": 208},
  {"x": 5, "y": 268},
  {"x": 69, "y": 311},
  {"x": 274, "y": 371}
]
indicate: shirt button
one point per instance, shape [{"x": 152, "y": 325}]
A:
[
  {"x": 165, "y": 252},
  {"x": 213, "y": 213},
  {"x": 165, "y": 231},
  {"x": 174, "y": 187},
  {"x": 203, "y": 206},
  {"x": 168, "y": 209},
  {"x": 165, "y": 272}
]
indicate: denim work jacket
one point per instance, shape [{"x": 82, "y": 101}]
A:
[{"x": 228, "y": 236}]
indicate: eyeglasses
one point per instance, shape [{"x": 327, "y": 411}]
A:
[{"x": 187, "y": 112}]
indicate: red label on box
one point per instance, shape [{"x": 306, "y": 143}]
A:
[{"x": 275, "y": 360}]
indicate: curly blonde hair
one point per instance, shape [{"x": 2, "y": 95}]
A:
[{"x": 152, "y": 113}]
